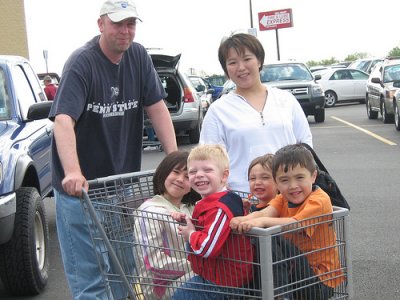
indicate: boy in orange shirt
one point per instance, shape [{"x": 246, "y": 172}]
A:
[{"x": 294, "y": 172}]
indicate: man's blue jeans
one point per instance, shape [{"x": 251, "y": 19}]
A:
[{"x": 81, "y": 265}]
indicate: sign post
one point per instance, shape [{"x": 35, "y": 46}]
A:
[
  {"x": 275, "y": 19},
  {"x": 46, "y": 56}
]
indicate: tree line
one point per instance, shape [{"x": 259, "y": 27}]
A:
[{"x": 351, "y": 57}]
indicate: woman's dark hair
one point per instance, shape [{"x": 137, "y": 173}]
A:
[
  {"x": 176, "y": 159},
  {"x": 240, "y": 42}
]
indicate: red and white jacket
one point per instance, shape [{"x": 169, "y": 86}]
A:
[{"x": 218, "y": 254}]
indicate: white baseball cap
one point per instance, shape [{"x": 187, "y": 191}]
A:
[{"x": 118, "y": 10}]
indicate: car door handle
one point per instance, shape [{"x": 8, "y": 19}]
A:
[{"x": 49, "y": 131}]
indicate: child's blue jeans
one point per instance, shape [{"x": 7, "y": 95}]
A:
[{"x": 198, "y": 288}]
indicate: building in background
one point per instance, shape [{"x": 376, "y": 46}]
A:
[{"x": 13, "y": 28}]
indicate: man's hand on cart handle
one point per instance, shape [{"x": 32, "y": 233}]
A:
[{"x": 73, "y": 183}]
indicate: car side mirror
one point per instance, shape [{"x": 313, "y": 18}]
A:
[
  {"x": 39, "y": 110},
  {"x": 317, "y": 77},
  {"x": 375, "y": 80},
  {"x": 396, "y": 83},
  {"x": 201, "y": 88}
]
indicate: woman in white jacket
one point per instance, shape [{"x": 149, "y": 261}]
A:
[
  {"x": 254, "y": 119},
  {"x": 161, "y": 259}
]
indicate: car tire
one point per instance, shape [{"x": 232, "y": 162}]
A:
[
  {"x": 370, "y": 113},
  {"x": 194, "y": 134},
  {"x": 396, "y": 117},
  {"x": 386, "y": 118},
  {"x": 319, "y": 115},
  {"x": 330, "y": 99},
  {"x": 24, "y": 259}
]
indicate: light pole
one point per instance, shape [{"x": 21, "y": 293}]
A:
[
  {"x": 45, "y": 56},
  {"x": 252, "y": 30},
  {"x": 251, "y": 14}
]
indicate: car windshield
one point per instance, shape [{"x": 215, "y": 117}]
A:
[
  {"x": 360, "y": 65},
  {"x": 198, "y": 85},
  {"x": 280, "y": 72},
  {"x": 228, "y": 86},
  {"x": 391, "y": 73}
]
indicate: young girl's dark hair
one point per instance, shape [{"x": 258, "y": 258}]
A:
[{"x": 178, "y": 160}]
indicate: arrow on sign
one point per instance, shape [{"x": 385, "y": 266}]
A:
[{"x": 264, "y": 21}]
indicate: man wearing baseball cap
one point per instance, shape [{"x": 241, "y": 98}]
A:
[
  {"x": 98, "y": 130},
  {"x": 119, "y": 10}
]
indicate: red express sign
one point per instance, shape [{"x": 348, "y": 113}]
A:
[{"x": 275, "y": 19}]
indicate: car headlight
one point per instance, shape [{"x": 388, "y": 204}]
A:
[
  {"x": 317, "y": 90},
  {"x": 390, "y": 93}
]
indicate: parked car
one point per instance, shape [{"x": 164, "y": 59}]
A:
[
  {"x": 216, "y": 82},
  {"x": 317, "y": 68},
  {"x": 182, "y": 101},
  {"x": 343, "y": 84},
  {"x": 204, "y": 91},
  {"x": 297, "y": 79},
  {"x": 321, "y": 68},
  {"x": 25, "y": 178},
  {"x": 380, "y": 90},
  {"x": 228, "y": 86},
  {"x": 365, "y": 64},
  {"x": 396, "y": 105},
  {"x": 343, "y": 64}
]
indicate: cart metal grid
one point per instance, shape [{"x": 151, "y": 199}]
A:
[{"x": 111, "y": 210}]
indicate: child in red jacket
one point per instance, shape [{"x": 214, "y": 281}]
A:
[{"x": 222, "y": 260}]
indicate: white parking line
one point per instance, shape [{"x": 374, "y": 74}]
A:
[{"x": 382, "y": 139}]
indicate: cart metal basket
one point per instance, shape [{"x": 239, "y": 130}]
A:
[{"x": 111, "y": 210}]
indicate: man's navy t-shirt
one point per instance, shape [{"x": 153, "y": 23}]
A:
[{"x": 106, "y": 100}]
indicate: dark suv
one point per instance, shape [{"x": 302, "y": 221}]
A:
[
  {"x": 182, "y": 101},
  {"x": 296, "y": 78}
]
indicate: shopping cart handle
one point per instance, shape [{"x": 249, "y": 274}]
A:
[{"x": 84, "y": 194}]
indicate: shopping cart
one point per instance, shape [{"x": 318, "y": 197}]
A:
[
  {"x": 249, "y": 201},
  {"x": 111, "y": 210}
]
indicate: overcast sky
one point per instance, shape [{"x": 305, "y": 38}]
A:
[{"x": 322, "y": 29}]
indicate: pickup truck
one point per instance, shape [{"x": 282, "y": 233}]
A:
[{"x": 25, "y": 177}]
